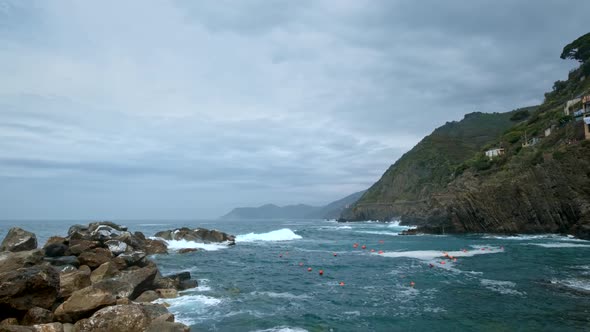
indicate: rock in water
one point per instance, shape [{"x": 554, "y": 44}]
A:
[
  {"x": 18, "y": 239},
  {"x": 130, "y": 318}
]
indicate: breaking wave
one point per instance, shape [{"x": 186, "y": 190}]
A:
[{"x": 284, "y": 234}]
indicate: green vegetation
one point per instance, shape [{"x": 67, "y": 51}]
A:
[{"x": 578, "y": 50}]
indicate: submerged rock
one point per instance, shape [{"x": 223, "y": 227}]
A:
[{"x": 18, "y": 239}]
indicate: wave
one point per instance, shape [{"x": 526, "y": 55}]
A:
[
  {"x": 378, "y": 233},
  {"x": 525, "y": 237},
  {"x": 284, "y": 234},
  {"x": 433, "y": 254},
  {"x": 283, "y": 329},
  {"x": 184, "y": 306},
  {"x": 182, "y": 244},
  {"x": 559, "y": 245},
  {"x": 502, "y": 287},
  {"x": 284, "y": 295}
]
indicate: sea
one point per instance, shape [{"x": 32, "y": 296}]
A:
[{"x": 373, "y": 279}]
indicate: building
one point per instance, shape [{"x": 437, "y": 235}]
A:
[
  {"x": 494, "y": 153},
  {"x": 586, "y": 104},
  {"x": 570, "y": 106},
  {"x": 532, "y": 142},
  {"x": 587, "y": 127},
  {"x": 547, "y": 132}
]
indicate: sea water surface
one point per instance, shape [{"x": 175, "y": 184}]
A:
[{"x": 497, "y": 283}]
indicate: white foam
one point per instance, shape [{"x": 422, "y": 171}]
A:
[
  {"x": 502, "y": 287},
  {"x": 432, "y": 254},
  {"x": 576, "y": 284},
  {"x": 284, "y": 234},
  {"x": 281, "y": 295},
  {"x": 184, "y": 306},
  {"x": 183, "y": 244},
  {"x": 343, "y": 227},
  {"x": 379, "y": 233},
  {"x": 283, "y": 329},
  {"x": 525, "y": 237},
  {"x": 559, "y": 245}
]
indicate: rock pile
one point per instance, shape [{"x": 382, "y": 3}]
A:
[
  {"x": 200, "y": 235},
  {"x": 97, "y": 278}
]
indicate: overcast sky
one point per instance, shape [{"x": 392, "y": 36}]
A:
[{"x": 185, "y": 109}]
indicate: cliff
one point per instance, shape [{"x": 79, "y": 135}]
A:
[{"x": 539, "y": 184}]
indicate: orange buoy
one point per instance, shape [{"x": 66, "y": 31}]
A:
[
  {"x": 443, "y": 262},
  {"x": 355, "y": 245},
  {"x": 309, "y": 269},
  {"x": 321, "y": 272},
  {"x": 342, "y": 283},
  {"x": 335, "y": 254},
  {"x": 412, "y": 284},
  {"x": 454, "y": 259},
  {"x": 451, "y": 257},
  {"x": 300, "y": 264},
  {"x": 380, "y": 252},
  {"x": 364, "y": 247}
]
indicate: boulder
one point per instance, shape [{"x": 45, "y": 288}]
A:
[
  {"x": 18, "y": 239},
  {"x": 16, "y": 328},
  {"x": 179, "y": 281},
  {"x": 165, "y": 326},
  {"x": 140, "y": 279},
  {"x": 103, "y": 233},
  {"x": 37, "y": 315},
  {"x": 167, "y": 293},
  {"x": 214, "y": 235},
  {"x": 77, "y": 229},
  {"x": 134, "y": 258},
  {"x": 55, "y": 249},
  {"x": 147, "y": 296},
  {"x": 73, "y": 281},
  {"x": 93, "y": 226},
  {"x": 95, "y": 258},
  {"x": 84, "y": 302},
  {"x": 50, "y": 327},
  {"x": 78, "y": 246},
  {"x": 187, "y": 250},
  {"x": 131, "y": 240},
  {"x": 63, "y": 260},
  {"x": 24, "y": 288},
  {"x": 9, "y": 321},
  {"x": 68, "y": 327},
  {"x": 104, "y": 271},
  {"x": 10, "y": 261},
  {"x": 116, "y": 247},
  {"x": 152, "y": 247},
  {"x": 130, "y": 318},
  {"x": 201, "y": 235}
]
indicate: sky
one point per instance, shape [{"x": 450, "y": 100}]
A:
[{"x": 185, "y": 109}]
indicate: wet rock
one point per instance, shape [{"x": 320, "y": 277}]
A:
[
  {"x": 179, "y": 281},
  {"x": 104, "y": 271},
  {"x": 49, "y": 327},
  {"x": 10, "y": 261},
  {"x": 133, "y": 258},
  {"x": 79, "y": 246},
  {"x": 201, "y": 235},
  {"x": 155, "y": 247},
  {"x": 164, "y": 326},
  {"x": 62, "y": 261},
  {"x": 167, "y": 293},
  {"x": 37, "y": 315},
  {"x": 95, "y": 258},
  {"x": 18, "y": 239},
  {"x": 131, "y": 240},
  {"x": 24, "y": 288},
  {"x": 187, "y": 250},
  {"x": 55, "y": 249},
  {"x": 130, "y": 318},
  {"x": 116, "y": 247},
  {"x": 83, "y": 303},
  {"x": 73, "y": 281},
  {"x": 147, "y": 296},
  {"x": 104, "y": 233}
]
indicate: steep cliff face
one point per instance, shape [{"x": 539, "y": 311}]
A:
[{"x": 407, "y": 186}]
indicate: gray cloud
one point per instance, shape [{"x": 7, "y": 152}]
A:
[{"x": 178, "y": 109}]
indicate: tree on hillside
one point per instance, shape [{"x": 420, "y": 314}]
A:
[{"x": 578, "y": 50}]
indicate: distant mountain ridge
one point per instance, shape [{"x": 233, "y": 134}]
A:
[{"x": 298, "y": 211}]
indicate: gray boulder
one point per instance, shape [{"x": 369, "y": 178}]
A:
[
  {"x": 25, "y": 288},
  {"x": 18, "y": 239}
]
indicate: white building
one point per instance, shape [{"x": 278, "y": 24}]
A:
[{"x": 494, "y": 153}]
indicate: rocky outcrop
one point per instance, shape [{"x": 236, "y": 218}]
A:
[
  {"x": 18, "y": 239},
  {"x": 200, "y": 235},
  {"x": 77, "y": 278}
]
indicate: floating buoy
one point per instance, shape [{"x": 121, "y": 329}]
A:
[
  {"x": 451, "y": 257},
  {"x": 335, "y": 254},
  {"x": 483, "y": 248},
  {"x": 321, "y": 272},
  {"x": 372, "y": 250},
  {"x": 356, "y": 245},
  {"x": 280, "y": 256},
  {"x": 431, "y": 265},
  {"x": 364, "y": 247},
  {"x": 300, "y": 264},
  {"x": 342, "y": 283},
  {"x": 412, "y": 284},
  {"x": 445, "y": 253},
  {"x": 464, "y": 250},
  {"x": 309, "y": 269},
  {"x": 443, "y": 262},
  {"x": 380, "y": 252},
  {"x": 454, "y": 259}
]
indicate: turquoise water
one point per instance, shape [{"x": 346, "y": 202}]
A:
[{"x": 524, "y": 283}]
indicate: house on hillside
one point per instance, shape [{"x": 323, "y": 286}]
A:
[
  {"x": 586, "y": 104},
  {"x": 571, "y": 106},
  {"x": 532, "y": 142},
  {"x": 587, "y": 127},
  {"x": 494, "y": 153}
]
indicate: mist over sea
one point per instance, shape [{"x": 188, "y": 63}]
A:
[{"x": 487, "y": 282}]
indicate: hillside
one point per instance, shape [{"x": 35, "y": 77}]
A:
[
  {"x": 300, "y": 211},
  {"x": 429, "y": 166},
  {"x": 541, "y": 183}
]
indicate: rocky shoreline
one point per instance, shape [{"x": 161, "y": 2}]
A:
[{"x": 97, "y": 278}]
